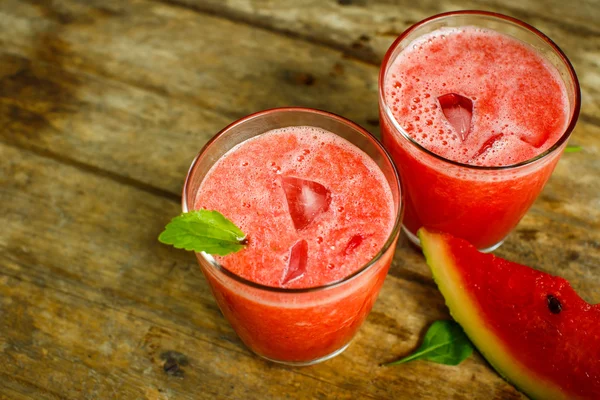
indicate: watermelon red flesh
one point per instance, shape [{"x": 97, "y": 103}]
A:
[{"x": 504, "y": 308}]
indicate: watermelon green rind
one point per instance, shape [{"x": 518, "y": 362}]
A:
[{"x": 465, "y": 309}]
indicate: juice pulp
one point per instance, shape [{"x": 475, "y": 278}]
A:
[
  {"x": 315, "y": 210},
  {"x": 478, "y": 97}
]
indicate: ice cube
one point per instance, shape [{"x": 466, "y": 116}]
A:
[
  {"x": 487, "y": 145},
  {"x": 503, "y": 149},
  {"x": 297, "y": 262},
  {"x": 353, "y": 243},
  {"x": 535, "y": 140},
  {"x": 458, "y": 110},
  {"x": 306, "y": 200}
]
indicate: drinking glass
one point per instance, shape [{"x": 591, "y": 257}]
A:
[{"x": 296, "y": 326}]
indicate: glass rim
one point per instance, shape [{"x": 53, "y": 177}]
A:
[
  {"x": 574, "y": 115},
  {"x": 391, "y": 239}
]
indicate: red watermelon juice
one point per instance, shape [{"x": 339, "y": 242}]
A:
[
  {"x": 475, "y": 119},
  {"x": 321, "y": 218}
]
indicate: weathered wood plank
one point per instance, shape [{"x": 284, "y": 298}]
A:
[
  {"x": 287, "y": 15},
  {"x": 101, "y": 123},
  {"x": 85, "y": 276},
  {"x": 61, "y": 85},
  {"x": 82, "y": 350},
  {"x": 115, "y": 98},
  {"x": 366, "y": 28},
  {"x": 49, "y": 103},
  {"x": 116, "y": 140},
  {"x": 142, "y": 134},
  {"x": 109, "y": 113},
  {"x": 12, "y": 388},
  {"x": 177, "y": 52}
]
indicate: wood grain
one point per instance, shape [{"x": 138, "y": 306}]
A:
[
  {"x": 90, "y": 103},
  {"x": 107, "y": 300},
  {"x": 103, "y": 104},
  {"x": 364, "y": 29}
]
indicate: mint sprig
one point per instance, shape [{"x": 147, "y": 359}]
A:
[
  {"x": 204, "y": 230},
  {"x": 572, "y": 149},
  {"x": 445, "y": 343}
]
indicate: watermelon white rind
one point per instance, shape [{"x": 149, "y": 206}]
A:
[{"x": 530, "y": 326}]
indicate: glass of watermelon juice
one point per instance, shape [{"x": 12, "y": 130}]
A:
[
  {"x": 320, "y": 202},
  {"x": 475, "y": 109}
]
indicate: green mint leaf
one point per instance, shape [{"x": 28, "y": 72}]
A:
[
  {"x": 204, "y": 230},
  {"x": 445, "y": 343},
  {"x": 572, "y": 149}
]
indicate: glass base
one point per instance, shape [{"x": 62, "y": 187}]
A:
[
  {"x": 310, "y": 362},
  {"x": 415, "y": 240}
]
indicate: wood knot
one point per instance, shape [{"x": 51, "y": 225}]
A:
[
  {"x": 572, "y": 256},
  {"x": 352, "y": 2},
  {"x": 528, "y": 234},
  {"x": 174, "y": 360},
  {"x": 303, "y": 78}
]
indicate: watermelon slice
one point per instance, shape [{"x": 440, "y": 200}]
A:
[{"x": 532, "y": 327}]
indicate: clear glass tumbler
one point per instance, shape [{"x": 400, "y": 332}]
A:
[
  {"x": 296, "y": 326},
  {"x": 478, "y": 203}
]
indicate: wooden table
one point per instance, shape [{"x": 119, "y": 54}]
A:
[{"x": 103, "y": 105}]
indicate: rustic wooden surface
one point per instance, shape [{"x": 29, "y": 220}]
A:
[{"x": 103, "y": 104}]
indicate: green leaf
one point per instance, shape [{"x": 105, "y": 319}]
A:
[
  {"x": 204, "y": 230},
  {"x": 572, "y": 149},
  {"x": 445, "y": 343}
]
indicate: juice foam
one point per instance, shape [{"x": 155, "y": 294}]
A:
[
  {"x": 519, "y": 102},
  {"x": 248, "y": 186}
]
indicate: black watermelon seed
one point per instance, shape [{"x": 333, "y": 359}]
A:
[{"x": 554, "y": 304}]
